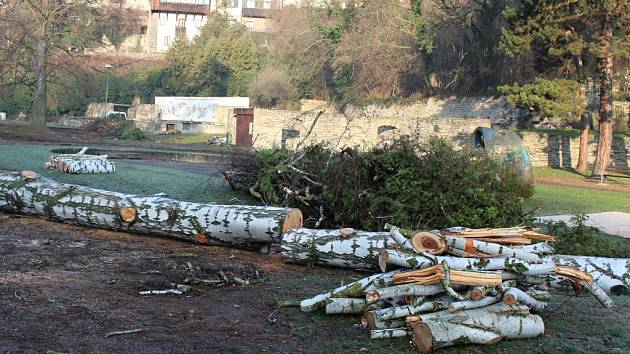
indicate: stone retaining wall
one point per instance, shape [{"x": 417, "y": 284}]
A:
[{"x": 559, "y": 150}]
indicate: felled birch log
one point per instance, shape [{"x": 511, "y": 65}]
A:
[
  {"x": 541, "y": 248},
  {"x": 390, "y": 333},
  {"x": 485, "y": 325},
  {"x": 343, "y": 305},
  {"x": 407, "y": 260},
  {"x": 472, "y": 304},
  {"x": 331, "y": 248},
  {"x": 391, "y": 313},
  {"x": 354, "y": 289},
  {"x": 89, "y": 166},
  {"x": 369, "y": 321},
  {"x": 229, "y": 225},
  {"x": 514, "y": 295},
  {"x": 403, "y": 290},
  {"x": 611, "y": 274},
  {"x": 598, "y": 293},
  {"x": 400, "y": 239},
  {"x": 473, "y": 246}
]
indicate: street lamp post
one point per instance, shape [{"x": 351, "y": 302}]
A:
[{"x": 108, "y": 67}]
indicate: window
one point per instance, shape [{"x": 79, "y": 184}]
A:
[
  {"x": 163, "y": 19},
  {"x": 181, "y": 22},
  {"x": 167, "y": 41},
  {"x": 249, "y": 24}
]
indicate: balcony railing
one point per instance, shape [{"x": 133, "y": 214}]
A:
[{"x": 161, "y": 6}]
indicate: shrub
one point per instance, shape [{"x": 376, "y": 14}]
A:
[
  {"x": 552, "y": 98},
  {"x": 271, "y": 88},
  {"x": 417, "y": 186}
]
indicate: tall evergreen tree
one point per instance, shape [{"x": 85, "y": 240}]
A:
[{"x": 558, "y": 31}]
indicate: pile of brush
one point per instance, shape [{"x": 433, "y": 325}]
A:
[{"x": 453, "y": 286}]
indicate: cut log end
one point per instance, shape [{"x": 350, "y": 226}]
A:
[
  {"x": 422, "y": 337},
  {"x": 509, "y": 299},
  {"x": 367, "y": 320},
  {"x": 201, "y": 238},
  {"x": 128, "y": 214},
  {"x": 428, "y": 242},
  {"x": 293, "y": 220},
  {"x": 347, "y": 232},
  {"x": 383, "y": 259},
  {"x": 476, "y": 294},
  {"x": 29, "y": 175}
]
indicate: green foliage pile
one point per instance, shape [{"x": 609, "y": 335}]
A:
[
  {"x": 584, "y": 240},
  {"x": 553, "y": 98},
  {"x": 116, "y": 127},
  {"x": 416, "y": 186}
]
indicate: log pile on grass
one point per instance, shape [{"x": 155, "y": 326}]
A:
[{"x": 450, "y": 287}]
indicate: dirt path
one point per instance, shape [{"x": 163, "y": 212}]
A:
[{"x": 582, "y": 184}]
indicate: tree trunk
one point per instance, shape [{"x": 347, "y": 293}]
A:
[
  {"x": 331, "y": 248},
  {"x": 391, "y": 313},
  {"x": 605, "y": 63},
  {"x": 611, "y": 274},
  {"x": 473, "y": 304},
  {"x": 87, "y": 166},
  {"x": 514, "y": 295},
  {"x": 38, "y": 116},
  {"x": 475, "y": 327},
  {"x": 582, "y": 164},
  {"x": 473, "y": 246},
  {"x": 354, "y": 289},
  {"x": 390, "y": 333},
  {"x": 228, "y": 225},
  {"x": 406, "y": 260},
  {"x": 343, "y": 305},
  {"x": 403, "y": 290}
]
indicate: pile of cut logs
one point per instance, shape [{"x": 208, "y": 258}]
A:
[
  {"x": 80, "y": 163},
  {"x": 454, "y": 286}
]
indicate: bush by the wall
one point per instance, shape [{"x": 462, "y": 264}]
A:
[{"x": 417, "y": 186}]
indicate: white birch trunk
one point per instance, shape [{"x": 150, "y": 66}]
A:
[
  {"x": 516, "y": 295},
  {"x": 92, "y": 166},
  {"x": 611, "y": 274},
  {"x": 391, "y": 313},
  {"x": 475, "y": 327},
  {"x": 406, "y": 260},
  {"x": 492, "y": 249},
  {"x": 331, "y": 248},
  {"x": 400, "y": 239},
  {"x": 598, "y": 293},
  {"x": 369, "y": 321},
  {"x": 403, "y": 290},
  {"x": 390, "y": 333},
  {"x": 541, "y": 248},
  {"x": 354, "y": 289},
  {"x": 342, "y": 305},
  {"x": 230, "y": 225},
  {"x": 471, "y": 304}
]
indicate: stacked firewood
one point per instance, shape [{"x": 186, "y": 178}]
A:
[
  {"x": 453, "y": 286},
  {"x": 80, "y": 163}
]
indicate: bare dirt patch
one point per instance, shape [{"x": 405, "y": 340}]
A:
[{"x": 65, "y": 287}]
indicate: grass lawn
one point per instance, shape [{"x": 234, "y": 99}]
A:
[
  {"x": 573, "y": 175},
  {"x": 182, "y": 139},
  {"x": 552, "y": 199},
  {"x": 130, "y": 177}
]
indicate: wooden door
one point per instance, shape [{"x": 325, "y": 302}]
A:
[{"x": 244, "y": 126}]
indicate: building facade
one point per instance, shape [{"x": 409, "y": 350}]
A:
[{"x": 171, "y": 18}]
